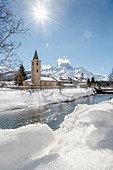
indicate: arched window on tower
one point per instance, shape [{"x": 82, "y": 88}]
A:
[
  {"x": 37, "y": 70},
  {"x": 37, "y": 63}
]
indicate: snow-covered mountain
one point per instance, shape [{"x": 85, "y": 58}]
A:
[
  {"x": 6, "y": 72},
  {"x": 65, "y": 69},
  {"x": 4, "y": 69}
]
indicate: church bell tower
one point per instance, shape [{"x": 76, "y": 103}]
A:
[{"x": 36, "y": 70}]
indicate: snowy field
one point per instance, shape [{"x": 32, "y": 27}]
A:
[
  {"x": 12, "y": 99},
  {"x": 84, "y": 140}
]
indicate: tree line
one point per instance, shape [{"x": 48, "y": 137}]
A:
[{"x": 91, "y": 83}]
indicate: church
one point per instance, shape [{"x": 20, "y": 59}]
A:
[{"x": 36, "y": 79}]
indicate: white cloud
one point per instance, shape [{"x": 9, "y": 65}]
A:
[
  {"x": 88, "y": 34},
  {"x": 44, "y": 67},
  {"x": 60, "y": 61}
]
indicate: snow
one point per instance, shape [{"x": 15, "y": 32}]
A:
[
  {"x": 28, "y": 79},
  {"x": 82, "y": 81},
  {"x": 75, "y": 78},
  {"x": 3, "y": 68},
  {"x": 21, "y": 146},
  {"x": 47, "y": 79},
  {"x": 30, "y": 83},
  {"x": 69, "y": 85},
  {"x": 7, "y": 83},
  {"x": 44, "y": 67},
  {"x": 90, "y": 129},
  {"x": 12, "y": 99},
  {"x": 84, "y": 141},
  {"x": 67, "y": 70}
]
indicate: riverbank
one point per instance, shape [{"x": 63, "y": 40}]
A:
[{"x": 17, "y": 99}]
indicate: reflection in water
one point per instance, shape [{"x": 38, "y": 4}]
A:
[{"x": 53, "y": 115}]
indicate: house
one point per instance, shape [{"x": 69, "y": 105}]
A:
[
  {"x": 74, "y": 81},
  {"x": 36, "y": 79},
  {"x": 82, "y": 83},
  {"x": 65, "y": 80},
  {"x": 71, "y": 82}
]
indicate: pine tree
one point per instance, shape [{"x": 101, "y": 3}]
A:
[
  {"x": 20, "y": 76},
  {"x": 88, "y": 82},
  {"x": 92, "y": 81}
]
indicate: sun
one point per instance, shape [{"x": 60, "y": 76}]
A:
[
  {"x": 42, "y": 15},
  {"x": 40, "y": 12}
]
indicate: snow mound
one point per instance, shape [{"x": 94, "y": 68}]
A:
[
  {"x": 91, "y": 124},
  {"x": 85, "y": 138},
  {"x": 83, "y": 142},
  {"x": 20, "y": 146}
]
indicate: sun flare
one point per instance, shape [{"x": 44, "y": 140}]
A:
[{"x": 40, "y": 13}]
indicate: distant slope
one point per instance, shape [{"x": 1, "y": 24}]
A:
[{"x": 6, "y": 72}]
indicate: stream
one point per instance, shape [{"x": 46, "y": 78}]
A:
[{"x": 52, "y": 114}]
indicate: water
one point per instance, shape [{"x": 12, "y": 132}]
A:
[{"x": 53, "y": 115}]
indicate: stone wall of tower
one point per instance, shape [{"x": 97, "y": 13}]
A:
[{"x": 36, "y": 72}]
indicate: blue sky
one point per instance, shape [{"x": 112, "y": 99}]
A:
[{"x": 80, "y": 30}]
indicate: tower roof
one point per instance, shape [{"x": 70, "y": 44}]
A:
[{"x": 35, "y": 56}]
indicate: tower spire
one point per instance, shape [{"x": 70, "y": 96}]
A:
[{"x": 35, "y": 55}]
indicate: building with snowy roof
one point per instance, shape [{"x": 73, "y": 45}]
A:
[{"x": 36, "y": 79}]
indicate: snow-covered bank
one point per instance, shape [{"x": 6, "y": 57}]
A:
[
  {"x": 12, "y": 99},
  {"x": 21, "y": 146},
  {"x": 84, "y": 141}
]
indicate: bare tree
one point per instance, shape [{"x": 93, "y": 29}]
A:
[{"x": 9, "y": 26}]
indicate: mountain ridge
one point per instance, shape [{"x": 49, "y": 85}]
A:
[
  {"x": 66, "y": 70},
  {"x": 63, "y": 69}
]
